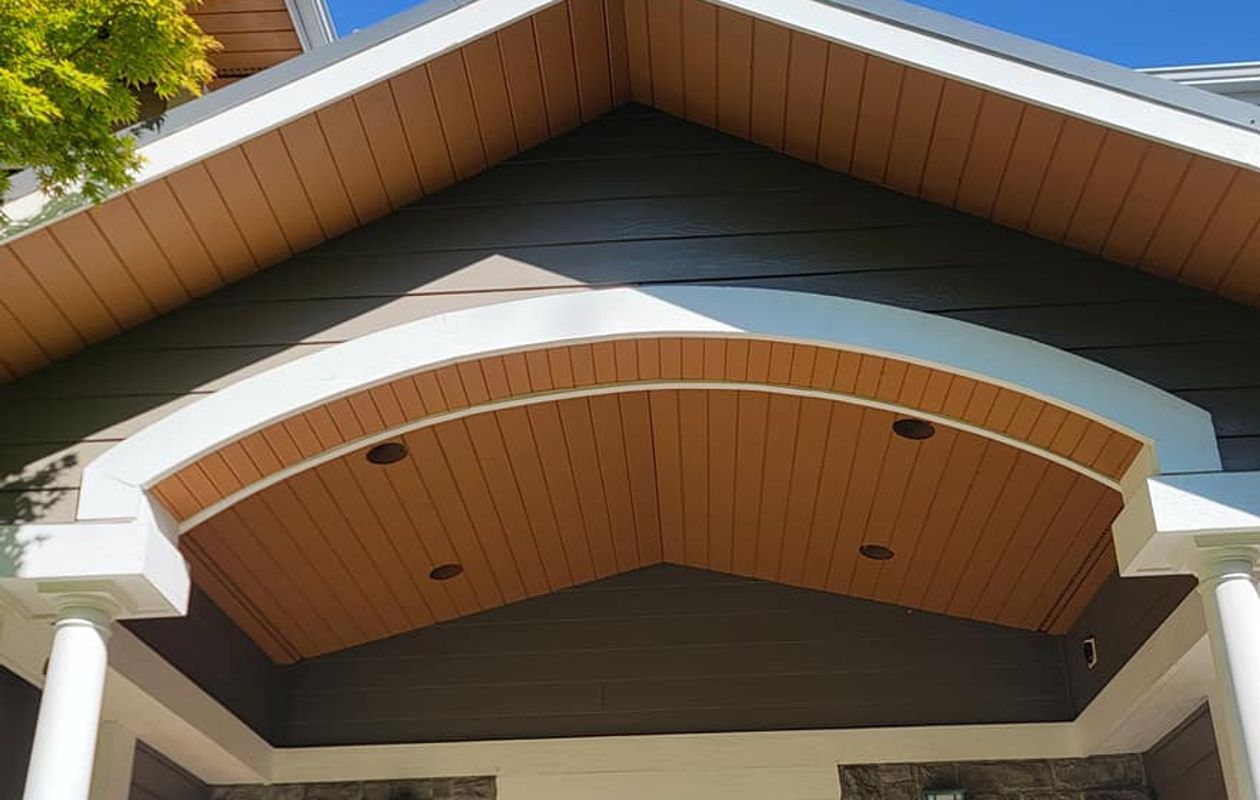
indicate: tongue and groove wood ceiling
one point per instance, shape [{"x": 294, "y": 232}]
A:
[
  {"x": 104, "y": 269},
  {"x": 728, "y": 475}
]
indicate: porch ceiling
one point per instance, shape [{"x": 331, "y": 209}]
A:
[
  {"x": 89, "y": 275},
  {"x": 311, "y": 556}
]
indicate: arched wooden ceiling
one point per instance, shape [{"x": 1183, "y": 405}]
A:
[
  {"x": 107, "y": 268},
  {"x": 747, "y": 472}
]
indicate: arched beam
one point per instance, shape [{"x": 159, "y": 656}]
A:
[{"x": 1179, "y": 434}]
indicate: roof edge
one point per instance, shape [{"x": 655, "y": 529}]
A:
[
  {"x": 313, "y": 22},
  {"x": 1146, "y": 84},
  {"x": 1106, "y": 94}
]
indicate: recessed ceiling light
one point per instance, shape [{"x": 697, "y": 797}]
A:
[
  {"x": 387, "y": 453},
  {"x": 875, "y": 552},
  {"x": 444, "y": 572},
  {"x": 911, "y": 428}
]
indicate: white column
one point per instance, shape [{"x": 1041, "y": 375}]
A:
[
  {"x": 70, "y": 708},
  {"x": 1231, "y": 605}
]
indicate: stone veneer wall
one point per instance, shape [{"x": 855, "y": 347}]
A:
[
  {"x": 425, "y": 789},
  {"x": 1101, "y": 778}
]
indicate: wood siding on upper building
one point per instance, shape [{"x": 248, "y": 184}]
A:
[
  {"x": 673, "y": 649},
  {"x": 253, "y": 35},
  {"x": 1185, "y": 765}
]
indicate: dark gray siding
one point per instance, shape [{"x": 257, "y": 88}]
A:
[
  {"x": 19, "y": 704},
  {"x": 634, "y": 198},
  {"x": 209, "y": 648},
  {"x": 1124, "y": 613},
  {"x": 154, "y": 777},
  {"x": 637, "y": 197},
  {"x": 672, "y": 649},
  {"x": 1185, "y": 764}
]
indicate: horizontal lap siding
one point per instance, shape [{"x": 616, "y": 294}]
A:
[
  {"x": 1185, "y": 764},
  {"x": 207, "y": 647},
  {"x": 673, "y": 649},
  {"x": 635, "y": 197}
]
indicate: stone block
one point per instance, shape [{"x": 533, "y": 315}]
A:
[
  {"x": 859, "y": 780},
  {"x": 334, "y": 791},
  {"x": 1116, "y": 794},
  {"x": 937, "y": 776},
  {"x": 1101, "y": 772},
  {"x": 398, "y": 790},
  {"x": 1005, "y": 776}
]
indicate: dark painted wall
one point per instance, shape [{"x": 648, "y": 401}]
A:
[
  {"x": 209, "y": 648},
  {"x": 19, "y": 704},
  {"x": 674, "y": 649},
  {"x": 1185, "y": 764},
  {"x": 1121, "y": 617},
  {"x": 640, "y": 198},
  {"x": 154, "y": 777}
]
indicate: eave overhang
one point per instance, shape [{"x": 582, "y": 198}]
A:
[{"x": 1204, "y": 137}]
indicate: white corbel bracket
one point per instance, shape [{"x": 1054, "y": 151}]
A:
[
  {"x": 131, "y": 567},
  {"x": 1169, "y": 521}
]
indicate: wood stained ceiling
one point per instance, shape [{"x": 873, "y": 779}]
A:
[
  {"x": 534, "y": 499},
  {"x": 539, "y": 497},
  {"x": 96, "y": 272}
]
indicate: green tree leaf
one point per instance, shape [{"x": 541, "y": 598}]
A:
[{"x": 70, "y": 75}]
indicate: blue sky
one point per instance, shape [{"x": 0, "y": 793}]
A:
[{"x": 1135, "y": 33}]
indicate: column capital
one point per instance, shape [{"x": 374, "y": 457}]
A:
[
  {"x": 118, "y": 570},
  {"x": 1212, "y": 563},
  {"x": 80, "y": 605}
]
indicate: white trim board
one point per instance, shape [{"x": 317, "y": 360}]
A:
[{"x": 1180, "y": 435}]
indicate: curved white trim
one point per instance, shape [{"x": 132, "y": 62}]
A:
[
  {"x": 1180, "y": 433},
  {"x": 334, "y": 453}
]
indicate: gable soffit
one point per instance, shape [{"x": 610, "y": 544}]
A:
[{"x": 413, "y": 115}]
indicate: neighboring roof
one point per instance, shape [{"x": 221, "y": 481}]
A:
[
  {"x": 257, "y": 34},
  {"x": 1137, "y": 169},
  {"x": 1240, "y": 81}
]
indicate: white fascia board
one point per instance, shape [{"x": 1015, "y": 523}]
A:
[
  {"x": 325, "y": 86},
  {"x": 1181, "y": 434},
  {"x": 1024, "y": 80},
  {"x": 316, "y": 85}
]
